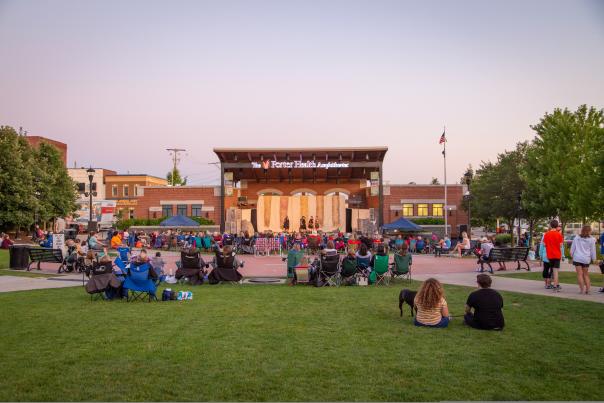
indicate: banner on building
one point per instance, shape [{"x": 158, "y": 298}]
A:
[
  {"x": 228, "y": 184},
  {"x": 375, "y": 183}
]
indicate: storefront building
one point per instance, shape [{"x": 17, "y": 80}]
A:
[{"x": 125, "y": 190}]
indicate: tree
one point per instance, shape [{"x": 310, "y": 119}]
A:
[
  {"x": 17, "y": 199},
  {"x": 56, "y": 189},
  {"x": 564, "y": 167},
  {"x": 178, "y": 180},
  {"x": 434, "y": 181}
]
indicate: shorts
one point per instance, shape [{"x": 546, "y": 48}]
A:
[
  {"x": 547, "y": 270},
  {"x": 554, "y": 263},
  {"x": 583, "y": 265}
]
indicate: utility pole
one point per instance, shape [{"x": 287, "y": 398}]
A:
[{"x": 174, "y": 152}]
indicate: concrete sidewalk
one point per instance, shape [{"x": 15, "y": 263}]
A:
[
  {"x": 19, "y": 283},
  {"x": 503, "y": 283}
]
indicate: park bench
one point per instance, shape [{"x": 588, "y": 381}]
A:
[
  {"x": 49, "y": 255},
  {"x": 501, "y": 255}
]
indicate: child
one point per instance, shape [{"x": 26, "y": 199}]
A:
[{"x": 158, "y": 264}]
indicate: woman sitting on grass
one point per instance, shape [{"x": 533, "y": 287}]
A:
[{"x": 432, "y": 309}]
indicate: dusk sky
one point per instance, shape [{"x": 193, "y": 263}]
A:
[{"x": 121, "y": 81}]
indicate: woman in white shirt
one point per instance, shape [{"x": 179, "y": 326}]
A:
[
  {"x": 463, "y": 245},
  {"x": 583, "y": 252}
]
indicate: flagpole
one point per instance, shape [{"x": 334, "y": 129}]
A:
[{"x": 445, "y": 169}]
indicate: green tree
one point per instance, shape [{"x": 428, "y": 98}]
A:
[
  {"x": 178, "y": 180},
  {"x": 564, "y": 167},
  {"x": 56, "y": 189},
  {"x": 17, "y": 198}
]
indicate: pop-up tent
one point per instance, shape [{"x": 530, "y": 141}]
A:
[
  {"x": 179, "y": 221},
  {"x": 402, "y": 225}
]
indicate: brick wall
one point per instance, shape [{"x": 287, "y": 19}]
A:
[{"x": 34, "y": 141}]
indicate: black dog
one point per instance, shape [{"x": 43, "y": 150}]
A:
[{"x": 406, "y": 296}]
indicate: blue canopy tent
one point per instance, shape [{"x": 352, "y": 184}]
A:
[
  {"x": 402, "y": 225},
  {"x": 179, "y": 221}
]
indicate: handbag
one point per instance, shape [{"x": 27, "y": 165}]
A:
[{"x": 362, "y": 280}]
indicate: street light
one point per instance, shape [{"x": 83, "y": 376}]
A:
[
  {"x": 89, "y": 194},
  {"x": 518, "y": 207},
  {"x": 468, "y": 178}
]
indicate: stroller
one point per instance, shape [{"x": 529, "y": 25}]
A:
[{"x": 72, "y": 262}]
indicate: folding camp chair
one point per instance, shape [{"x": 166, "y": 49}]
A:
[
  {"x": 380, "y": 267},
  {"x": 348, "y": 269},
  {"x": 101, "y": 281},
  {"x": 329, "y": 269},
  {"x": 139, "y": 283},
  {"x": 402, "y": 266}
]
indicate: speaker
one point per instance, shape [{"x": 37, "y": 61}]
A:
[
  {"x": 253, "y": 219},
  {"x": 463, "y": 228},
  {"x": 348, "y": 220}
]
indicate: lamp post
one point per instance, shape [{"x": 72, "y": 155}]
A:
[
  {"x": 518, "y": 200},
  {"x": 90, "y": 193},
  {"x": 468, "y": 178}
]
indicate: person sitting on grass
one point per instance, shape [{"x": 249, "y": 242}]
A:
[
  {"x": 486, "y": 305},
  {"x": 432, "y": 309}
]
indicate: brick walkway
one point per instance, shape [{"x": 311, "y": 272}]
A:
[{"x": 449, "y": 270}]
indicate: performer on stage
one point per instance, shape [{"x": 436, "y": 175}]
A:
[
  {"x": 311, "y": 223},
  {"x": 286, "y": 224},
  {"x": 303, "y": 223}
]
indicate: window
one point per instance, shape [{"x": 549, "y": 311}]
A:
[
  {"x": 196, "y": 210},
  {"x": 81, "y": 187},
  {"x": 181, "y": 209},
  {"x": 137, "y": 190},
  {"x": 114, "y": 190},
  {"x": 422, "y": 209},
  {"x": 437, "y": 209},
  {"x": 166, "y": 210},
  {"x": 407, "y": 209},
  {"x": 131, "y": 213},
  {"x": 126, "y": 191}
]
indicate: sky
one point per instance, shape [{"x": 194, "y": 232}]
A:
[{"x": 121, "y": 81}]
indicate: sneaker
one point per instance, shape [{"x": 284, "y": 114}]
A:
[
  {"x": 557, "y": 288},
  {"x": 601, "y": 290},
  {"x": 549, "y": 287}
]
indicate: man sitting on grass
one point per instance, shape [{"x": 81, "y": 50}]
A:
[{"x": 487, "y": 304}]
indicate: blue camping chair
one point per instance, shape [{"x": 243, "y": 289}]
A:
[
  {"x": 139, "y": 283},
  {"x": 363, "y": 262}
]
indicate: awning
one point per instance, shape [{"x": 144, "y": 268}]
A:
[{"x": 403, "y": 225}]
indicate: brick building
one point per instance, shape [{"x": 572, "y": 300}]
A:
[
  {"x": 126, "y": 189},
  {"x": 34, "y": 141},
  {"x": 340, "y": 188},
  {"x": 167, "y": 201}
]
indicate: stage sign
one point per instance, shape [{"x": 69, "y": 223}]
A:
[{"x": 266, "y": 164}]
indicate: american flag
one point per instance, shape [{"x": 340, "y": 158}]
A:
[{"x": 442, "y": 138}]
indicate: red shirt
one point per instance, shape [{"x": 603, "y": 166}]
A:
[{"x": 552, "y": 240}]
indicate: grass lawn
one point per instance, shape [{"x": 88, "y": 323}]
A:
[
  {"x": 565, "y": 277},
  {"x": 4, "y": 259},
  {"x": 23, "y": 273},
  {"x": 279, "y": 343}
]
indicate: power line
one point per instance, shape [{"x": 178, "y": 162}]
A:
[{"x": 174, "y": 152}]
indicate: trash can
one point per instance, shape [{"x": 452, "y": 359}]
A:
[{"x": 18, "y": 256}]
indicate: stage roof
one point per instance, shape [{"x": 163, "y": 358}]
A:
[{"x": 301, "y": 164}]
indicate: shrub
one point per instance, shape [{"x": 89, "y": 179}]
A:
[
  {"x": 429, "y": 221},
  {"x": 504, "y": 239},
  {"x": 131, "y": 222}
]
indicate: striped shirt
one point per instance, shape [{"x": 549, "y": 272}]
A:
[{"x": 429, "y": 316}]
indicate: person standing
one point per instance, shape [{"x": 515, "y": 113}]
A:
[
  {"x": 286, "y": 224},
  {"x": 553, "y": 242},
  {"x": 487, "y": 304},
  {"x": 583, "y": 253},
  {"x": 303, "y": 223}
]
